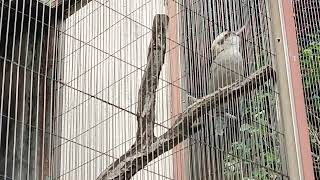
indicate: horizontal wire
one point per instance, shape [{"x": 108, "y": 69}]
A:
[
  {"x": 87, "y": 14},
  {"x": 121, "y": 60},
  {"x": 94, "y": 47},
  {"x": 88, "y": 94},
  {"x": 124, "y": 109},
  {"x": 105, "y": 30},
  {"x": 121, "y": 109}
]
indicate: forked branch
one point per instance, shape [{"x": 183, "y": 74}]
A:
[{"x": 137, "y": 158}]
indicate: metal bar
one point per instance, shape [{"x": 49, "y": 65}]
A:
[{"x": 291, "y": 99}]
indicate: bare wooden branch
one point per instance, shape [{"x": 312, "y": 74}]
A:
[
  {"x": 137, "y": 158},
  {"x": 150, "y": 80}
]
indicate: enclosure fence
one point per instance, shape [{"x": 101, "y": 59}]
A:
[
  {"x": 145, "y": 89},
  {"x": 307, "y": 16}
]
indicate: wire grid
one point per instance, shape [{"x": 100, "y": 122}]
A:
[
  {"x": 249, "y": 148},
  {"x": 78, "y": 73},
  {"x": 307, "y": 16},
  {"x": 115, "y": 36}
]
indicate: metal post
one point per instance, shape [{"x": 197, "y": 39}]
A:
[{"x": 291, "y": 92}]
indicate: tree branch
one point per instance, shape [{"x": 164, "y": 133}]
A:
[
  {"x": 150, "y": 81},
  {"x": 138, "y": 157}
]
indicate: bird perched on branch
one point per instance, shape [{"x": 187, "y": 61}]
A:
[
  {"x": 227, "y": 64},
  {"x": 226, "y": 68}
]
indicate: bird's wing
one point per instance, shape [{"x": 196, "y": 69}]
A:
[{"x": 225, "y": 70}]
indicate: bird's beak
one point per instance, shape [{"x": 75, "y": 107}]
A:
[{"x": 242, "y": 29}]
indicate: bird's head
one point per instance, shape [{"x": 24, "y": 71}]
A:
[
  {"x": 227, "y": 39},
  {"x": 232, "y": 40},
  {"x": 217, "y": 44}
]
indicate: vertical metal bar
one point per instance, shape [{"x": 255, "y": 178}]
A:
[
  {"x": 285, "y": 47},
  {"x": 39, "y": 92},
  {"x": 48, "y": 84},
  {"x": 68, "y": 101},
  {"x": 3, "y": 74},
  {"x": 17, "y": 91},
  {"x": 33, "y": 97},
  {"x": 22, "y": 94},
  {"x": 57, "y": 73},
  {"x": 9, "y": 92},
  {"x": 306, "y": 19}
]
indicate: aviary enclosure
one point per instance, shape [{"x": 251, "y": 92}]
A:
[
  {"x": 123, "y": 89},
  {"x": 308, "y": 33}
]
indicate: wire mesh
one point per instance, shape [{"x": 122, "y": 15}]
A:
[
  {"x": 245, "y": 145},
  {"x": 145, "y": 89},
  {"x": 307, "y": 16}
]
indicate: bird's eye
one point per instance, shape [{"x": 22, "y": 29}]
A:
[{"x": 224, "y": 38}]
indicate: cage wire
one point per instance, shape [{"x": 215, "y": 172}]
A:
[
  {"x": 145, "y": 89},
  {"x": 307, "y": 17}
]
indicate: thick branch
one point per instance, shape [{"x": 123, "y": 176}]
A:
[
  {"x": 138, "y": 157},
  {"x": 150, "y": 80}
]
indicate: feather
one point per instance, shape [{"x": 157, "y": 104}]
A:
[{"x": 226, "y": 68}]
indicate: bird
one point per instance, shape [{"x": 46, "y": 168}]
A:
[
  {"x": 227, "y": 62},
  {"x": 226, "y": 68}
]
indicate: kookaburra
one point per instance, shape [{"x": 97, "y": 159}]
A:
[
  {"x": 226, "y": 68},
  {"x": 227, "y": 61}
]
